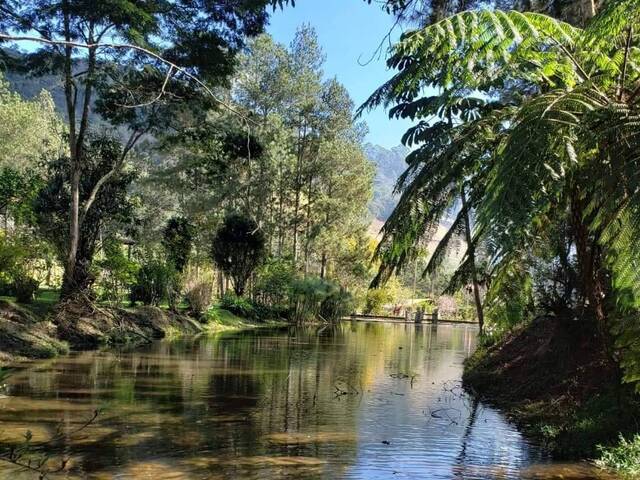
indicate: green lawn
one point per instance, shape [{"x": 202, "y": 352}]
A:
[{"x": 45, "y": 300}]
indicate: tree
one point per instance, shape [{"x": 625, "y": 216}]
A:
[
  {"x": 142, "y": 60},
  {"x": 566, "y": 147},
  {"x": 178, "y": 241},
  {"x": 30, "y": 129},
  {"x": 238, "y": 248},
  {"x": 111, "y": 213},
  {"x": 312, "y": 148}
]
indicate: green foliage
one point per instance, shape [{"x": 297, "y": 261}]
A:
[
  {"x": 115, "y": 272},
  {"x": 26, "y": 288},
  {"x": 111, "y": 212},
  {"x": 548, "y": 137},
  {"x": 30, "y": 130},
  {"x": 152, "y": 283},
  {"x": 273, "y": 284},
  {"x": 510, "y": 300},
  {"x": 376, "y": 299},
  {"x": 337, "y": 304},
  {"x": 199, "y": 295},
  {"x": 390, "y": 293},
  {"x": 623, "y": 457},
  {"x": 238, "y": 305},
  {"x": 312, "y": 298},
  {"x": 238, "y": 248},
  {"x": 177, "y": 241}
]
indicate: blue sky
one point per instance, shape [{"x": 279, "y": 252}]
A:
[{"x": 348, "y": 30}]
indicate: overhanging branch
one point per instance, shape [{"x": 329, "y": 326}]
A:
[{"x": 126, "y": 46}]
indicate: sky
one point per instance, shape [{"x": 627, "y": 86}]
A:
[{"x": 349, "y": 32}]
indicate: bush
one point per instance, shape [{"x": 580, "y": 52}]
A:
[
  {"x": 337, "y": 305},
  {"x": 239, "y": 306},
  {"x": 199, "y": 296},
  {"x": 273, "y": 285},
  {"x": 624, "y": 457},
  {"x": 238, "y": 248},
  {"x": 152, "y": 284},
  {"x": 115, "y": 271},
  {"x": 376, "y": 299},
  {"x": 314, "y": 298},
  {"x": 26, "y": 288}
]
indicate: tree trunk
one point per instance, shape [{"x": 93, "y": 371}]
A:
[
  {"x": 589, "y": 259},
  {"x": 588, "y": 10},
  {"x": 472, "y": 258},
  {"x": 298, "y": 187},
  {"x": 74, "y": 281},
  {"x": 323, "y": 265}
]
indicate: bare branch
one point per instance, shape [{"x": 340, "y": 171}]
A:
[
  {"x": 133, "y": 139},
  {"x": 127, "y": 46},
  {"x": 158, "y": 97}
]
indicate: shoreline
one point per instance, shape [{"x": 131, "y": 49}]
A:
[
  {"x": 569, "y": 399},
  {"x": 74, "y": 327}
]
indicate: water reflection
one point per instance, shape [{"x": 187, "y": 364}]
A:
[{"x": 359, "y": 400}]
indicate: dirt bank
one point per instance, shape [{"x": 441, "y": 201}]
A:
[
  {"x": 87, "y": 326},
  {"x": 553, "y": 379},
  {"x": 23, "y": 335},
  {"x": 81, "y": 326}
]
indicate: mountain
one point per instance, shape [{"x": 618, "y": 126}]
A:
[{"x": 389, "y": 166}]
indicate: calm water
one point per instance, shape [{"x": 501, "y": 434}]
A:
[{"x": 356, "y": 401}]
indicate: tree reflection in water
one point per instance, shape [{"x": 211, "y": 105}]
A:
[{"x": 263, "y": 404}]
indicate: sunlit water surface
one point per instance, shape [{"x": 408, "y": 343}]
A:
[{"x": 359, "y": 400}]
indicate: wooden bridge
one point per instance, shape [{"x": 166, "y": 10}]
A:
[{"x": 417, "y": 318}]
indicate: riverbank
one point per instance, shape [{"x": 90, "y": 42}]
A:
[
  {"x": 557, "y": 386},
  {"x": 25, "y": 333}
]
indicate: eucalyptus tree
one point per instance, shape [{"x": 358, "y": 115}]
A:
[{"x": 139, "y": 61}]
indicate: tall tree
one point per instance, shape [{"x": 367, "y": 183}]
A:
[
  {"x": 567, "y": 140},
  {"x": 133, "y": 55}
]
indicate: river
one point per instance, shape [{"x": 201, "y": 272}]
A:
[{"x": 354, "y": 401}]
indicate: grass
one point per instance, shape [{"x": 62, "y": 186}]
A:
[
  {"x": 623, "y": 457},
  {"x": 45, "y": 301},
  {"x": 220, "y": 320}
]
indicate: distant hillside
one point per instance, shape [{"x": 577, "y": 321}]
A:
[{"x": 389, "y": 165}]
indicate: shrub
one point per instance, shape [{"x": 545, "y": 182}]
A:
[
  {"x": 238, "y": 248},
  {"x": 337, "y": 304},
  {"x": 152, "y": 283},
  {"x": 237, "y": 305},
  {"x": 624, "y": 457},
  {"x": 26, "y": 288},
  {"x": 199, "y": 294},
  {"x": 376, "y": 299},
  {"x": 274, "y": 283},
  {"x": 116, "y": 272},
  {"x": 314, "y": 298}
]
